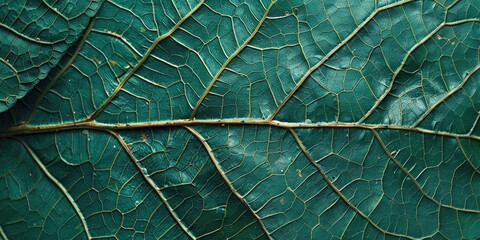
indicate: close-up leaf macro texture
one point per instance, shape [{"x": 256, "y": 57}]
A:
[{"x": 239, "y": 119}]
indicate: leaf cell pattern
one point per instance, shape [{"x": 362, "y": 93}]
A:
[
  {"x": 241, "y": 119},
  {"x": 35, "y": 35}
]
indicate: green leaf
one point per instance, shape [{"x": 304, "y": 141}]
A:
[
  {"x": 35, "y": 35},
  {"x": 253, "y": 119}
]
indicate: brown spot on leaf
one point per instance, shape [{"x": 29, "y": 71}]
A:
[
  {"x": 282, "y": 200},
  {"x": 98, "y": 61},
  {"x": 144, "y": 137}
]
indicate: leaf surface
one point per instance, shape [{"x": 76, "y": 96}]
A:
[
  {"x": 35, "y": 35},
  {"x": 253, "y": 119}
]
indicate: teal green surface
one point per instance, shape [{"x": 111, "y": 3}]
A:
[
  {"x": 35, "y": 35},
  {"x": 240, "y": 119}
]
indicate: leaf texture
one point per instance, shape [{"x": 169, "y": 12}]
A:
[
  {"x": 35, "y": 35},
  {"x": 252, "y": 119}
]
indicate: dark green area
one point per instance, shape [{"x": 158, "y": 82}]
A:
[{"x": 243, "y": 119}]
